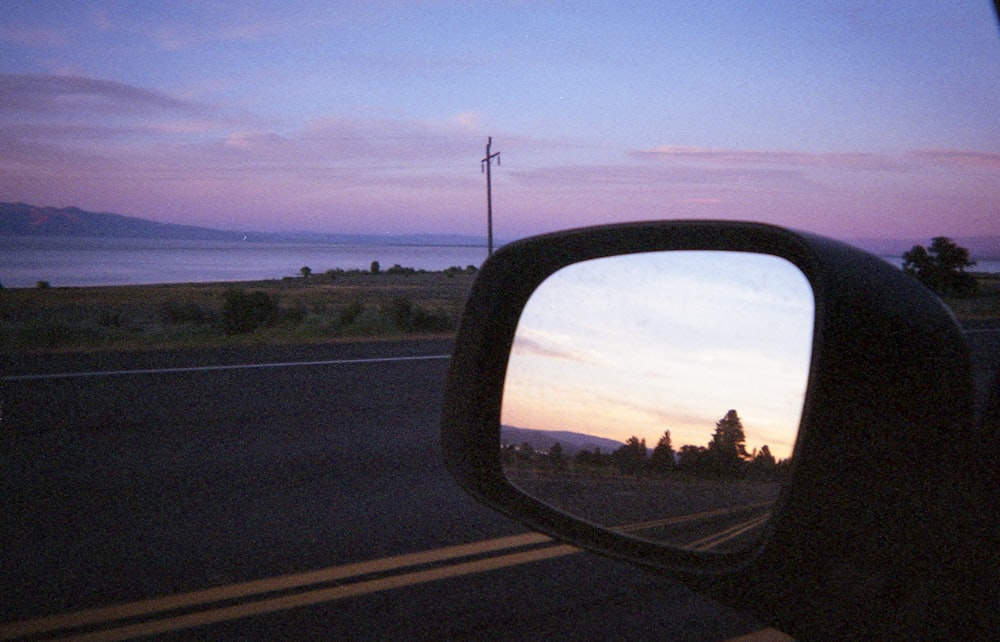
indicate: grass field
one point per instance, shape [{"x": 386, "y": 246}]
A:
[
  {"x": 334, "y": 306},
  {"x": 323, "y": 307}
]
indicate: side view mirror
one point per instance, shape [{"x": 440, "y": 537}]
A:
[
  {"x": 780, "y": 420},
  {"x": 625, "y": 373}
]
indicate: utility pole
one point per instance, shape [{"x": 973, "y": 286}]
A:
[{"x": 485, "y": 165}]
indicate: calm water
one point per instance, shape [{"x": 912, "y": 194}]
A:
[
  {"x": 69, "y": 261},
  {"x": 66, "y": 261}
]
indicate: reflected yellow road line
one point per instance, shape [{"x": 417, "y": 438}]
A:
[
  {"x": 256, "y": 587},
  {"x": 728, "y": 534},
  {"x": 680, "y": 519}
]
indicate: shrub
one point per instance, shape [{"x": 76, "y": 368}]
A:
[
  {"x": 42, "y": 285},
  {"x": 376, "y": 268},
  {"x": 244, "y": 312},
  {"x": 350, "y": 313},
  {"x": 175, "y": 313},
  {"x": 406, "y": 316}
]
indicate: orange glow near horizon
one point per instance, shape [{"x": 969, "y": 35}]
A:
[{"x": 640, "y": 344}]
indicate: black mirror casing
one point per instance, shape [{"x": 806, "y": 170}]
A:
[{"x": 882, "y": 467}]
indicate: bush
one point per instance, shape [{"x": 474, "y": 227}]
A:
[
  {"x": 406, "y": 316},
  {"x": 43, "y": 285},
  {"x": 244, "y": 312},
  {"x": 174, "y": 312}
]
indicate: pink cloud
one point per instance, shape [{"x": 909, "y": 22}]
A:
[{"x": 958, "y": 158}]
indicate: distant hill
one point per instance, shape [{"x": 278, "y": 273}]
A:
[
  {"x": 22, "y": 219},
  {"x": 543, "y": 440}
]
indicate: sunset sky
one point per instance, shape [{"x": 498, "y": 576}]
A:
[
  {"x": 852, "y": 119},
  {"x": 642, "y": 343}
]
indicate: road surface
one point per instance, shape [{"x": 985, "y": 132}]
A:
[{"x": 281, "y": 493}]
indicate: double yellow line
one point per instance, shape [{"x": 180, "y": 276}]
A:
[
  {"x": 121, "y": 614},
  {"x": 245, "y": 599}
]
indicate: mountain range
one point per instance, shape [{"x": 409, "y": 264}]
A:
[
  {"x": 570, "y": 442},
  {"x": 22, "y": 219}
]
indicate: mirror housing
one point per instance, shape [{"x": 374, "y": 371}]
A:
[{"x": 884, "y": 461}]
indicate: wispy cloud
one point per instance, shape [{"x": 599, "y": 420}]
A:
[
  {"x": 36, "y": 94},
  {"x": 958, "y": 158},
  {"x": 526, "y": 346},
  {"x": 743, "y": 158},
  {"x": 33, "y": 37}
]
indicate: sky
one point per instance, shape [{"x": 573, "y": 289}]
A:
[
  {"x": 846, "y": 118},
  {"x": 596, "y": 353}
]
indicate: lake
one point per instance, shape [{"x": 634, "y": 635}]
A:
[{"x": 73, "y": 261}]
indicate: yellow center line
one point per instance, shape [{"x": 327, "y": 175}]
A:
[
  {"x": 268, "y": 585},
  {"x": 272, "y": 605},
  {"x": 205, "y": 597}
]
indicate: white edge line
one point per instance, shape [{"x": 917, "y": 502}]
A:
[{"x": 244, "y": 366}]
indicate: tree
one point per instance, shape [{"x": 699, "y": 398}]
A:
[
  {"x": 306, "y": 271},
  {"x": 556, "y": 457},
  {"x": 631, "y": 458},
  {"x": 942, "y": 267},
  {"x": 763, "y": 463},
  {"x": 693, "y": 460},
  {"x": 375, "y": 267},
  {"x": 662, "y": 459},
  {"x": 729, "y": 445}
]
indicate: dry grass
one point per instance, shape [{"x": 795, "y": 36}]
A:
[
  {"x": 323, "y": 307},
  {"x": 334, "y": 306},
  {"x": 983, "y": 305}
]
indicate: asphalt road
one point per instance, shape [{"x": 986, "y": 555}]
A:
[{"x": 184, "y": 494}]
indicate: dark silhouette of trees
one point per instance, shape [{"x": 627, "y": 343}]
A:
[
  {"x": 729, "y": 445},
  {"x": 556, "y": 457},
  {"x": 662, "y": 459},
  {"x": 306, "y": 271},
  {"x": 763, "y": 463},
  {"x": 694, "y": 460},
  {"x": 941, "y": 267},
  {"x": 631, "y": 458},
  {"x": 725, "y": 457},
  {"x": 593, "y": 459}
]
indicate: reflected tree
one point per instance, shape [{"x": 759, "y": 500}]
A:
[
  {"x": 662, "y": 459},
  {"x": 631, "y": 458},
  {"x": 729, "y": 445}
]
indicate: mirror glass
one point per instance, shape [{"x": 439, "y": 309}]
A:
[{"x": 660, "y": 394}]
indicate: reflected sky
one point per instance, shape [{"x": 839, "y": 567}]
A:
[{"x": 643, "y": 343}]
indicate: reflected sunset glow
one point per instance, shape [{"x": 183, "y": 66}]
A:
[{"x": 643, "y": 343}]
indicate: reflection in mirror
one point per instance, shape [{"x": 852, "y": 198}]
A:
[{"x": 660, "y": 394}]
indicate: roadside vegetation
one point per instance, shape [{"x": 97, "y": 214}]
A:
[
  {"x": 946, "y": 268},
  {"x": 313, "y": 307},
  {"x": 331, "y": 306}
]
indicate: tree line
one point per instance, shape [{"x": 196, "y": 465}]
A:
[{"x": 724, "y": 457}]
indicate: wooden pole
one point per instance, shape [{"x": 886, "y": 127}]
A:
[{"x": 486, "y": 163}]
